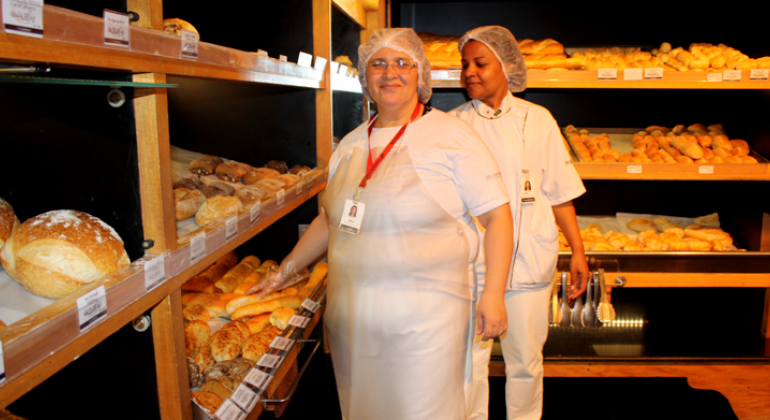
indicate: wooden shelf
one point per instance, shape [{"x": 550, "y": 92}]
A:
[{"x": 671, "y": 171}]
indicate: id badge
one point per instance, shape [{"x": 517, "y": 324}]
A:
[
  {"x": 352, "y": 216},
  {"x": 525, "y": 190}
]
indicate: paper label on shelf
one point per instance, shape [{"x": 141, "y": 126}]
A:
[
  {"x": 300, "y": 184},
  {"x": 258, "y": 378},
  {"x": 23, "y": 17},
  {"x": 269, "y": 360},
  {"x": 706, "y": 169},
  {"x": 759, "y": 75},
  {"x": 608, "y": 74},
  {"x": 320, "y": 64},
  {"x": 280, "y": 197},
  {"x": 305, "y": 60},
  {"x": 299, "y": 321},
  {"x": 653, "y": 74},
  {"x": 92, "y": 308},
  {"x": 310, "y": 305},
  {"x": 254, "y": 212},
  {"x": 198, "y": 247},
  {"x": 116, "y": 30},
  {"x": 632, "y": 74},
  {"x": 189, "y": 45},
  {"x": 335, "y": 67},
  {"x": 2, "y": 363},
  {"x": 714, "y": 77},
  {"x": 282, "y": 343},
  {"x": 229, "y": 411},
  {"x": 731, "y": 75},
  {"x": 231, "y": 228},
  {"x": 154, "y": 272},
  {"x": 245, "y": 398},
  {"x": 343, "y": 71},
  {"x": 634, "y": 169},
  {"x": 439, "y": 74}
]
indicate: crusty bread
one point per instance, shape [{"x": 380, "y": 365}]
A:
[
  {"x": 279, "y": 318},
  {"x": 175, "y": 26},
  {"x": 196, "y": 312},
  {"x": 640, "y": 224},
  {"x": 258, "y": 323},
  {"x": 217, "y": 207},
  {"x": 56, "y": 253},
  {"x": 232, "y": 171},
  {"x": 196, "y": 334},
  {"x": 189, "y": 181},
  {"x": 258, "y": 174},
  {"x": 187, "y": 202},
  {"x": 254, "y": 348},
  {"x": 260, "y": 308},
  {"x": 205, "y": 165},
  {"x": 250, "y": 195},
  {"x": 204, "y": 359},
  {"x": 8, "y": 221},
  {"x": 227, "y": 342},
  {"x": 237, "y": 274}
]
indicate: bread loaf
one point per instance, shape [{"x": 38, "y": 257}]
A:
[
  {"x": 232, "y": 171},
  {"x": 198, "y": 284},
  {"x": 227, "y": 342},
  {"x": 175, "y": 26},
  {"x": 266, "y": 307},
  {"x": 218, "y": 189},
  {"x": 253, "y": 349},
  {"x": 196, "y": 334},
  {"x": 237, "y": 274},
  {"x": 217, "y": 207},
  {"x": 258, "y": 174},
  {"x": 187, "y": 202},
  {"x": 641, "y": 224},
  {"x": 191, "y": 182},
  {"x": 208, "y": 400},
  {"x": 205, "y": 165},
  {"x": 279, "y": 318},
  {"x": 300, "y": 170},
  {"x": 246, "y": 300},
  {"x": 8, "y": 221},
  {"x": 258, "y": 323},
  {"x": 196, "y": 312},
  {"x": 203, "y": 358},
  {"x": 250, "y": 194},
  {"x": 278, "y": 165},
  {"x": 58, "y": 252}
]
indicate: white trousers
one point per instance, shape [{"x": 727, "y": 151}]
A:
[{"x": 522, "y": 348}]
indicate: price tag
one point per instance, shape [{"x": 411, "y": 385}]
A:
[
  {"x": 258, "y": 379},
  {"x": 282, "y": 343},
  {"x": 706, "y": 169},
  {"x": 299, "y": 321},
  {"x": 2, "y": 363},
  {"x": 231, "y": 228},
  {"x": 280, "y": 196},
  {"x": 269, "y": 360},
  {"x": 254, "y": 212},
  {"x": 154, "y": 273},
  {"x": 608, "y": 74},
  {"x": 634, "y": 169},
  {"x": 632, "y": 74},
  {"x": 758, "y": 75},
  {"x": 23, "y": 17},
  {"x": 244, "y": 398},
  {"x": 198, "y": 247},
  {"x": 310, "y": 305},
  {"x": 343, "y": 71},
  {"x": 305, "y": 60},
  {"x": 116, "y": 30},
  {"x": 335, "y": 67},
  {"x": 300, "y": 184},
  {"x": 714, "y": 77},
  {"x": 320, "y": 64},
  {"x": 229, "y": 411},
  {"x": 189, "y": 45},
  {"x": 92, "y": 307},
  {"x": 653, "y": 74},
  {"x": 731, "y": 75}
]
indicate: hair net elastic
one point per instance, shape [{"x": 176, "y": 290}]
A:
[
  {"x": 502, "y": 43},
  {"x": 403, "y": 40}
]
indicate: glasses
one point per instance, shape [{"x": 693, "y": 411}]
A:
[{"x": 402, "y": 66}]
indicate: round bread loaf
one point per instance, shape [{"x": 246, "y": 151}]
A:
[
  {"x": 8, "y": 221},
  {"x": 57, "y": 252},
  {"x": 217, "y": 207}
]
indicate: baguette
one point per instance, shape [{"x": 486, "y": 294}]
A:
[
  {"x": 198, "y": 284},
  {"x": 205, "y": 298},
  {"x": 279, "y": 318},
  {"x": 267, "y": 307},
  {"x": 258, "y": 323},
  {"x": 246, "y": 300},
  {"x": 216, "y": 308},
  {"x": 248, "y": 283},
  {"x": 237, "y": 274}
]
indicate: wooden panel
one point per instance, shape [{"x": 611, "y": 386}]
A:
[
  {"x": 766, "y": 322},
  {"x": 170, "y": 358},
  {"x": 693, "y": 279},
  {"x": 372, "y": 24},
  {"x": 150, "y": 13},
  {"x": 354, "y": 10},
  {"x": 323, "y": 100}
]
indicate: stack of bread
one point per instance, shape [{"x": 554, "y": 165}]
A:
[
  {"x": 708, "y": 57},
  {"x": 441, "y": 51},
  {"x": 547, "y": 54},
  {"x": 596, "y": 149},
  {"x": 217, "y": 362},
  {"x": 617, "y": 58},
  {"x": 694, "y": 144}
]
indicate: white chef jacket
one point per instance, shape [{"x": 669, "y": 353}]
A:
[{"x": 525, "y": 136}]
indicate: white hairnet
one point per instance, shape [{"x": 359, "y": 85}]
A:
[
  {"x": 502, "y": 43},
  {"x": 404, "y": 40}
]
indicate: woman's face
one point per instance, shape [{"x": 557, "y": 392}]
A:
[
  {"x": 482, "y": 74},
  {"x": 391, "y": 89}
]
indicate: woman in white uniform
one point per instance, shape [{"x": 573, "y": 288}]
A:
[
  {"x": 542, "y": 183},
  {"x": 401, "y": 282}
]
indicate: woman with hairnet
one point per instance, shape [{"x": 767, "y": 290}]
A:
[
  {"x": 401, "y": 280},
  {"x": 529, "y": 150}
]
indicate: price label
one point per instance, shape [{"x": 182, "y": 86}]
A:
[
  {"x": 116, "y": 30},
  {"x": 335, "y": 67},
  {"x": 634, "y": 169},
  {"x": 244, "y": 398},
  {"x": 269, "y": 360},
  {"x": 23, "y": 17},
  {"x": 280, "y": 197},
  {"x": 282, "y": 343},
  {"x": 608, "y": 74},
  {"x": 305, "y": 60},
  {"x": 632, "y": 74},
  {"x": 309, "y": 183},
  {"x": 714, "y": 77},
  {"x": 2, "y": 363},
  {"x": 92, "y": 308},
  {"x": 154, "y": 273},
  {"x": 299, "y": 321},
  {"x": 231, "y": 228},
  {"x": 300, "y": 184},
  {"x": 198, "y": 247},
  {"x": 310, "y": 305},
  {"x": 229, "y": 411},
  {"x": 320, "y": 64},
  {"x": 758, "y": 75},
  {"x": 189, "y": 45},
  {"x": 653, "y": 74},
  {"x": 254, "y": 212},
  {"x": 731, "y": 75},
  {"x": 706, "y": 169},
  {"x": 258, "y": 379},
  {"x": 343, "y": 71}
]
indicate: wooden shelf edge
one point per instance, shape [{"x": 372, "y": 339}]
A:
[{"x": 665, "y": 280}]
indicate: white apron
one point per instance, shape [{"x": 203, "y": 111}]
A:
[{"x": 399, "y": 346}]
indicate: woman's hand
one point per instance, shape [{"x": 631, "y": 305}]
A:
[
  {"x": 578, "y": 268},
  {"x": 491, "y": 316}
]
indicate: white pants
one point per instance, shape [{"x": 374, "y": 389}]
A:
[{"x": 523, "y": 353}]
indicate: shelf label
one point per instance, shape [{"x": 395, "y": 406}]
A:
[
  {"x": 2, "y": 363},
  {"x": 189, "y": 45},
  {"x": 154, "y": 273},
  {"x": 254, "y": 212},
  {"x": 310, "y": 305},
  {"x": 300, "y": 184},
  {"x": 706, "y": 169},
  {"x": 632, "y": 74},
  {"x": 269, "y": 360},
  {"x": 229, "y": 411},
  {"x": 309, "y": 183},
  {"x": 280, "y": 197},
  {"x": 231, "y": 228},
  {"x": 197, "y": 247},
  {"x": 305, "y": 60},
  {"x": 245, "y": 398},
  {"x": 299, "y": 321},
  {"x": 92, "y": 307},
  {"x": 653, "y": 74},
  {"x": 320, "y": 64},
  {"x": 335, "y": 67},
  {"x": 759, "y": 75},
  {"x": 282, "y": 343},
  {"x": 116, "y": 30},
  {"x": 634, "y": 169},
  {"x": 23, "y": 17},
  {"x": 608, "y": 74},
  {"x": 731, "y": 75},
  {"x": 258, "y": 378},
  {"x": 343, "y": 71},
  {"x": 714, "y": 77}
]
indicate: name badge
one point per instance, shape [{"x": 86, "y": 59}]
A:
[
  {"x": 527, "y": 194},
  {"x": 352, "y": 216}
]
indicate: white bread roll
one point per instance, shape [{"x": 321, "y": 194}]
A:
[
  {"x": 8, "y": 221},
  {"x": 58, "y": 252}
]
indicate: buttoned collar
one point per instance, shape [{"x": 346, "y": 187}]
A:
[{"x": 509, "y": 106}]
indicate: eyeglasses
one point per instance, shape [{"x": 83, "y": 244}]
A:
[{"x": 402, "y": 66}]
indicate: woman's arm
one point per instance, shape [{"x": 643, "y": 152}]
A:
[
  {"x": 491, "y": 316},
  {"x": 567, "y": 220}
]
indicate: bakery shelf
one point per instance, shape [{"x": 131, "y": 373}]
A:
[
  {"x": 80, "y": 82},
  {"x": 674, "y": 171}
]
